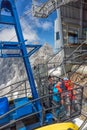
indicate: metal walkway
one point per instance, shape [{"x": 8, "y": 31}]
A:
[{"x": 44, "y": 9}]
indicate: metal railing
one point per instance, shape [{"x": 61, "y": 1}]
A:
[
  {"x": 16, "y": 90},
  {"x": 62, "y": 108},
  {"x": 75, "y": 51}
]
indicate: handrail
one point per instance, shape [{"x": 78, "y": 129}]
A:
[
  {"x": 62, "y": 48},
  {"x": 13, "y": 84},
  {"x": 83, "y": 124},
  {"x": 10, "y": 90},
  {"x": 14, "y": 121},
  {"x": 64, "y": 61},
  {"x": 35, "y": 100},
  {"x": 76, "y": 68},
  {"x": 85, "y": 42},
  {"x": 14, "y": 87}
]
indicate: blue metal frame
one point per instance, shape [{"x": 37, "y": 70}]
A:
[
  {"x": 7, "y": 20},
  {"x": 14, "y": 20},
  {"x": 16, "y": 46}
]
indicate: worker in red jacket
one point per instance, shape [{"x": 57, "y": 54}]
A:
[
  {"x": 69, "y": 86},
  {"x": 71, "y": 94}
]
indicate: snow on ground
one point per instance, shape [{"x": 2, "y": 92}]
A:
[
  {"x": 79, "y": 122},
  {"x": 56, "y": 72}
]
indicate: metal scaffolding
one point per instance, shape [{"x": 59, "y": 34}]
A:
[{"x": 44, "y": 9}]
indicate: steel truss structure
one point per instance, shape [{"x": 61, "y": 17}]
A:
[
  {"x": 39, "y": 101},
  {"x": 20, "y": 45},
  {"x": 44, "y": 9}
]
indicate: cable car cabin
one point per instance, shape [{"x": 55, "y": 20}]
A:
[{"x": 60, "y": 126}]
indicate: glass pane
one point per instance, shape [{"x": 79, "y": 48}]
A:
[{"x": 57, "y": 36}]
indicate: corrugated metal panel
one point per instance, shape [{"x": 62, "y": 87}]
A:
[{"x": 70, "y": 12}]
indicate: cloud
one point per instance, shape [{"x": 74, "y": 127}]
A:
[
  {"x": 29, "y": 33},
  {"x": 46, "y": 25},
  {"x": 8, "y": 34},
  {"x": 30, "y": 26},
  {"x": 38, "y": 23}
]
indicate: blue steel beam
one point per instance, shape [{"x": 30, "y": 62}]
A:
[
  {"x": 7, "y": 20},
  {"x": 16, "y": 45},
  {"x": 36, "y": 48},
  {"x": 9, "y": 43},
  {"x": 32, "y": 46},
  {"x": 9, "y": 47},
  {"x": 3, "y": 47},
  {"x": 24, "y": 52},
  {"x": 26, "y": 59},
  {"x": 10, "y": 4},
  {"x": 33, "y": 51},
  {"x": 10, "y": 55}
]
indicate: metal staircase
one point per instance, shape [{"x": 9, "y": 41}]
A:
[{"x": 77, "y": 57}]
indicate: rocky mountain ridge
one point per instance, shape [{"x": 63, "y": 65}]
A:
[{"x": 13, "y": 69}]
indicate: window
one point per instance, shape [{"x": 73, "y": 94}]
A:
[
  {"x": 57, "y": 36},
  {"x": 72, "y": 38}
]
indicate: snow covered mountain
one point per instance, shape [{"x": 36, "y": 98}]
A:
[{"x": 12, "y": 69}]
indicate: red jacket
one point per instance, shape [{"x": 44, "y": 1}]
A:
[{"x": 69, "y": 86}]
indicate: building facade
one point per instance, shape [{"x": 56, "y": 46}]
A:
[{"x": 71, "y": 24}]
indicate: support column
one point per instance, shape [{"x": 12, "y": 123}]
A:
[
  {"x": 81, "y": 22},
  {"x": 24, "y": 51}
]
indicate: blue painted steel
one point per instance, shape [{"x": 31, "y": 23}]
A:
[
  {"x": 24, "y": 128},
  {"x": 9, "y": 43},
  {"x": 32, "y": 46},
  {"x": 49, "y": 118},
  {"x": 24, "y": 110},
  {"x": 16, "y": 45},
  {"x": 10, "y": 5},
  {"x": 4, "y": 107},
  {"x": 10, "y": 55},
  {"x": 10, "y": 47},
  {"x": 23, "y": 50},
  {"x": 7, "y": 20},
  {"x": 33, "y": 51}
]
